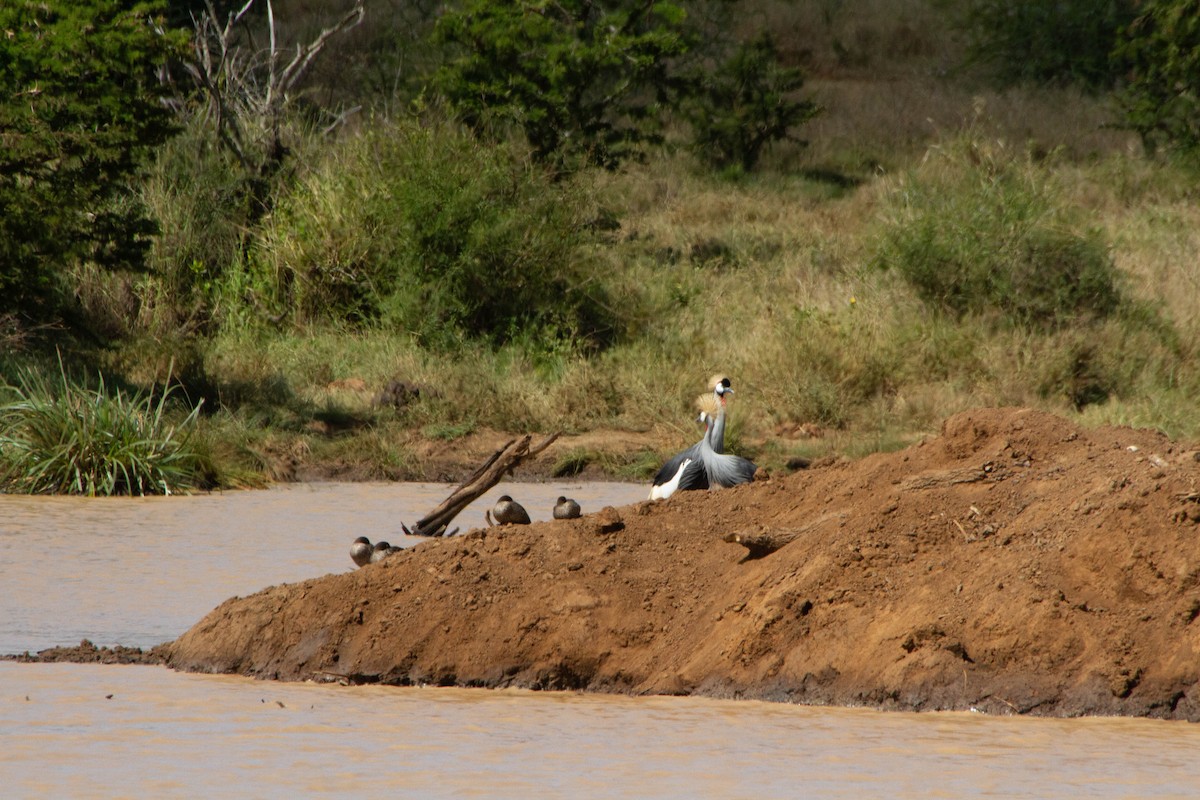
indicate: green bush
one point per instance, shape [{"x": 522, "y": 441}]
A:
[
  {"x": 981, "y": 233},
  {"x": 67, "y": 439},
  {"x": 583, "y": 80},
  {"x": 1039, "y": 42},
  {"x": 1161, "y": 95},
  {"x": 746, "y": 105},
  {"x": 426, "y": 230},
  {"x": 80, "y": 111}
]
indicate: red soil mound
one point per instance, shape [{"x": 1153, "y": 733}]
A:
[{"x": 1016, "y": 563}]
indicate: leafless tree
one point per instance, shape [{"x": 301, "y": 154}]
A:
[{"x": 248, "y": 88}]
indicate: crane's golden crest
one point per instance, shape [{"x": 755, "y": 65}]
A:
[{"x": 707, "y": 404}]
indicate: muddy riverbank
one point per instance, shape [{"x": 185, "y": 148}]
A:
[{"x": 1015, "y": 564}]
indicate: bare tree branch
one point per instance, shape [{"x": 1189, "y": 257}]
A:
[
  {"x": 502, "y": 462},
  {"x": 305, "y": 55},
  {"x": 247, "y": 90}
]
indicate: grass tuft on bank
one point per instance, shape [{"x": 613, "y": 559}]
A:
[{"x": 60, "y": 437}]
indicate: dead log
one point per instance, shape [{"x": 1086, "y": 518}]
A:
[
  {"x": 763, "y": 541},
  {"x": 501, "y": 463}
]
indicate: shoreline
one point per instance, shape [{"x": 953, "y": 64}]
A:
[{"x": 1015, "y": 564}]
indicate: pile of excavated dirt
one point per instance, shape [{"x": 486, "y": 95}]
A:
[{"x": 1016, "y": 563}]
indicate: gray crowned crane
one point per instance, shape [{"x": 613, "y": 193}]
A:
[
  {"x": 722, "y": 470},
  {"x": 689, "y": 470}
]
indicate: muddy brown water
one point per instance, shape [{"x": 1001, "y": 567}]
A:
[{"x": 140, "y": 572}]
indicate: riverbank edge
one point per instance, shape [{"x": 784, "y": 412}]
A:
[
  {"x": 1017, "y": 564},
  {"x": 1089, "y": 702}
]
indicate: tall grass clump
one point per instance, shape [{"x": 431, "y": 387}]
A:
[
  {"x": 979, "y": 231},
  {"x": 420, "y": 228},
  {"x": 58, "y": 437}
]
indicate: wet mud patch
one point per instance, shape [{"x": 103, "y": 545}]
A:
[{"x": 87, "y": 653}]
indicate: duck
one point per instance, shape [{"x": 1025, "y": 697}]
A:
[
  {"x": 566, "y": 508},
  {"x": 509, "y": 512},
  {"x": 381, "y": 551},
  {"x": 360, "y": 551}
]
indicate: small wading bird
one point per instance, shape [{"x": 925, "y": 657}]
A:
[
  {"x": 673, "y": 476},
  {"x": 565, "y": 508},
  {"x": 360, "y": 551},
  {"x": 507, "y": 512}
]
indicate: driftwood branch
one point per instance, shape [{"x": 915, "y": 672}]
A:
[
  {"x": 762, "y": 542},
  {"x": 501, "y": 463}
]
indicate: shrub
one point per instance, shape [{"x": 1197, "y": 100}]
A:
[
  {"x": 67, "y": 439},
  {"x": 583, "y": 80},
  {"x": 427, "y": 230},
  {"x": 746, "y": 105},
  {"x": 1161, "y": 96},
  {"x": 985, "y": 236},
  {"x": 80, "y": 110}
]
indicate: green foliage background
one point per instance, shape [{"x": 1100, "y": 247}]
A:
[
  {"x": 1032, "y": 41},
  {"x": 558, "y": 215},
  {"x": 1161, "y": 95},
  {"x": 81, "y": 114},
  {"x": 423, "y": 229}
]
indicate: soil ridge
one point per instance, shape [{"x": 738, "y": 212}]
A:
[{"x": 1015, "y": 563}]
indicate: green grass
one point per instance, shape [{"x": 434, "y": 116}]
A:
[
  {"x": 448, "y": 432},
  {"x": 58, "y": 437},
  {"x": 573, "y": 462},
  {"x": 794, "y": 310},
  {"x": 634, "y": 466}
]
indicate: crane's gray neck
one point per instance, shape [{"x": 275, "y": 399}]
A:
[
  {"x": 706, "y": 444},
  {"x": 717, "y": 432}
]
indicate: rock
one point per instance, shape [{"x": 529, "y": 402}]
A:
[{"x": 606, "y": 520}]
